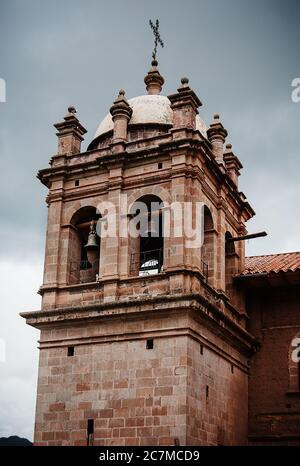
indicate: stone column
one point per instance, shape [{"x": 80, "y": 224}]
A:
[
  {"x": 69, "y": 134},
  {"x": 110, "y": 245},
  {"x": 52, "y": 253},
  {"x": 121, "y": 113},
  {"x": 232, "y": 164},
  {"x": 217, "y": 134},
  {"x": 185, "y": 105}
]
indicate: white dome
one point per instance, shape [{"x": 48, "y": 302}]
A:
[{"x": 148, "y": 109}]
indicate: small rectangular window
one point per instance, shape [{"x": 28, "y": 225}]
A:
[
  {"x": 76, "y": 182},
  {"x": 90, "y": 432},
  {"x": 160, "y": 165},
  {"x": 207, "y": 392},
  {"x": 201, "y": 349},
  {"x": 71, "y": 350},
  {"x": 149, "y": 344},
  {"x": 232, "y": 368}
]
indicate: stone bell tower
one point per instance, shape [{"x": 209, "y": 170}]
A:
[{"x": 143, "y": 339}]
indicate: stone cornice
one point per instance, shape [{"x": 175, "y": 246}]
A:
[
  {"x": 124, "y": 159},
  {"x": 197, "y": 304},
  {"x": 79, "y": 194}
]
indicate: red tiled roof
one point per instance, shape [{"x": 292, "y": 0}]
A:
[{"x": 272, "y": 263}]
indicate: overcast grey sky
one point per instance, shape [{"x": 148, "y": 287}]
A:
[{"x": 241, "y": 57}]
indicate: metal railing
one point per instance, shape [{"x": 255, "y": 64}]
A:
[
  {"x": 141, "y": 263},
  {"x": 151, "y": 262},
  {"x": 146, "y": 262}
]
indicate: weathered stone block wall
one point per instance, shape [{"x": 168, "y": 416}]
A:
[
  {"x": 140, "y": 396},
  {"x": 217, "y": 399},
  {"x": 135, "y": 396}
]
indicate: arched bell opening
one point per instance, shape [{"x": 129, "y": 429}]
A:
[
  {"x": 147, "y": 249},
  {"x": 207, "y": 259},
  {"x": 84, "y": 246}
]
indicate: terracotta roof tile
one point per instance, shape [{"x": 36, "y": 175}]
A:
[{"x": 272, "y": 263}]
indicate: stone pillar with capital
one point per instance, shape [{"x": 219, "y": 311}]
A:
[
  {"x": 232, "y": 164},
  {"x": 121, "y": 113},
  {"x": 217, "y": 134},
  {"x": 185, "y": 104},
  {"x": 70, "y": 133}
]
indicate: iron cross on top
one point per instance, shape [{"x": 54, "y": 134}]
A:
[{"x": 156, "y": 36}]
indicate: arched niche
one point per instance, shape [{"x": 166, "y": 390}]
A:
[
  {"x": 146, "y": 242},
  {"x": 208, "y": 246},
  {"x": 84, "y": 251}
]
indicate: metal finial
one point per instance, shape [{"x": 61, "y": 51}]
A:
[{"x": 157, "y": 38}]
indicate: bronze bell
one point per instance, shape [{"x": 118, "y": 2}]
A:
[{"x": 92, "y": 239}]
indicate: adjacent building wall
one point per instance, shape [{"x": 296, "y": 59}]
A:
[{"x": 274, "y": 401}]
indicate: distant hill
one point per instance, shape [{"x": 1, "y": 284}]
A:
[{"x": 14, "y": 441}]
